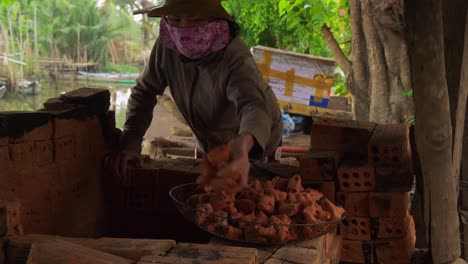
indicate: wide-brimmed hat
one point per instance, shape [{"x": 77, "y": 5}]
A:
[{"x": 202, "y": 8}]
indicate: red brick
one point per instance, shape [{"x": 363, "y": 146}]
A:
[
  {"x": 356, "y": 178},
  {"x": 22, "y": 154},
  {"x": 43, "y": 132},
  {"x": 356, "y": 228},
  {"x": 389, "y": 145},
  {"x": 64, "y": 127},
  {"x": 354, "y": 251},
  {"x": 319, "y": 166},
  {"x": 4, "y": 141},
  {"x": 396, "y": 251},
  {"x": 5, "y": 158},
  {"x": 64, "y": 149},
  {"x": 10, "y": 219},
  {"x": 394, "y": 178},
  {"x": 329, "y": 190},
  {"x": 389, "y": 204},
  {"x": 356, "y": 204},
  {"x": 341, "y": 135},
  {"x": 43, "y": 152},
  {"x": 393, "y": 227}
]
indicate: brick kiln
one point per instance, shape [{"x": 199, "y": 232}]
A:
[{"x": 52, "y": 182}]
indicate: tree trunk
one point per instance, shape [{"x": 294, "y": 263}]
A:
[
  {"x": 379, "y": 74},
  {"x": 433, "y": 126}
]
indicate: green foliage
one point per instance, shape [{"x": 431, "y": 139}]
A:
[
  {"x": 122, "y": 68},
  {"x": 339, "y": 86},
  {"x": 76, "y": 30},
  {"x": 294, "y": 25},
  {"x": 291, "y": 24}
]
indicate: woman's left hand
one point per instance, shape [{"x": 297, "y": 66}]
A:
[{"x": 240, "y": 148}]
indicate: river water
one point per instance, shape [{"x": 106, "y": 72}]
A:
[{"x": 53, "y": 88}]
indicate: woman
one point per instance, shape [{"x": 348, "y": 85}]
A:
[{"x": 214, "y": 81}]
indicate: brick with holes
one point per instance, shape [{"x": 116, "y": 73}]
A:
[
  {"x": 393, "y": 227},
  {"x": 389, "y": 145},
  {"x": 319, "y": 166},
  {"x": 354, "y": 251},
  {"x": 389, "y": 204},
  {"x": 355, "y": 176},
  {"x": 356, "y": 228},
  {"x": 396, "y": 251}
]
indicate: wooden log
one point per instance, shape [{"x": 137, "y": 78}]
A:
[
  {"x": 25, "y": 126},
  {"x": 61, "y": 252},
  {"x": 183, "y": 260},
  {"x": 95, "y": 99},
  {"x": 134, "y": 249}
]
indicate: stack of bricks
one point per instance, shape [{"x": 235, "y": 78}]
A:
[
  {"x": 51, "y": 161},
  {"x": 374, "y": 177}
]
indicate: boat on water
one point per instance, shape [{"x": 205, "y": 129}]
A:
[
  {"x": 26, "y": 87},
  {"x": 3, "y": 90},
  {"x": 128, "y": 78}
]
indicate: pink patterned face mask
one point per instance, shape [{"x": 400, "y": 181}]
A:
[{"x": 195, "y": 42}]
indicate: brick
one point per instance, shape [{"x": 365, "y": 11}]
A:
[
  {"x": 43, "y": 132},
  {"x": 65, "y": 127},
  {"x": 33, "y": 125},
  {"x": 22, "y": 154},
  {"x": 319, "y": 166},
  {"x": 356, "y": 228},
  {"x": 389, "y": 145},
  {"x": 64, "y": 149},
  {"x": 43, "y": 152},
  {"x": 4, "y": 140},
  {"x": 329, "y": 190},
  {"x": 341, "y": 135},
  {"x": 356, "y": 177},
  {"x": 95, "y": 100},
  {"x": 354, "y": 251},
  {"x": 393, "y": 227},
  {"x": 356, "y": 204},
  {"x": 140, "y": 190},
  {"x": 397, "y": 251},
  {"x": 389, "y": 204},
  {"x": 394, "y": 178},
  {"x": 5, "y": 158},
  {"x": 10, "y": 219}
]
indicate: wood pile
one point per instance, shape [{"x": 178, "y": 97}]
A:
[{"x": 370, "y": 166}]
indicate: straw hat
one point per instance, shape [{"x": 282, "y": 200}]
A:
[{"x": 202, "y": 8}]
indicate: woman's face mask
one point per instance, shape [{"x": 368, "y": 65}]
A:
[{"x": 195, "y": 42}]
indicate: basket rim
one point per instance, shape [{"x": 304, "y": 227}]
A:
[{"x": 185, "y": 205}]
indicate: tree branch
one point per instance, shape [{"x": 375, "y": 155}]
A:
[
  {"x": 338, "y": 53},
  {"x": 358, "y": 46}
]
